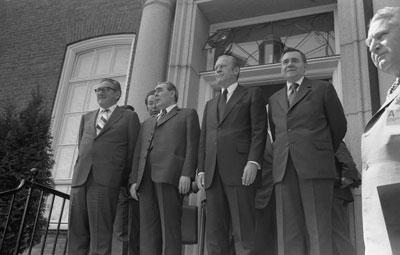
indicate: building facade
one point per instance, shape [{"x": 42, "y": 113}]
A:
[{"x": 65, "y": 47}]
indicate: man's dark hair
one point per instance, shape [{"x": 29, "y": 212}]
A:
[
  {"x": 115, "y": 83},
  {"x": 286, "y": 50},
  {"x": 171, "y": 87},
  {"x": 150, "y": 93}
]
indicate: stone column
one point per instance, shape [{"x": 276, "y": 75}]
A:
[
  {"x": 356, "y": 92},
  {"x": 151, "y": 54}
]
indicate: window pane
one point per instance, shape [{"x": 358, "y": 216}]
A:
[
  {"x": 122, "y": 59},
  {"x": 83, "y": 65},
  {"x": 102, "y": 65}
]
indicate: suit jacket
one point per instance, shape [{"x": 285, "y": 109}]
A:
[
  {"x": 173, "y": 143},
  {"x": 380, "y": 149},
  {"x": 107, "y": 155},
  {"x": 265, "y": 190},
  {"x": 235, "y": 139},
  {"x": 310, "y": 130},
  {"x": 345, "y": 167}
]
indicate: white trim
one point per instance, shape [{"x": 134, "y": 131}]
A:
[{"x": 273, "y": 17}]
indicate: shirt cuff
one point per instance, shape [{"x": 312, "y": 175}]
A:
[
  {"x": 256, "y": 163},
  {"x": 199, "y": 173}
]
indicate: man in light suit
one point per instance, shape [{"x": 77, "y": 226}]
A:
[
  {"x": 164, "y": 163},
  {"x": 307, "y": 125},
  {"x": 231, "y": 150},
  {"x": 106, "y": 141},
  {"x": 381, "y": 139}
]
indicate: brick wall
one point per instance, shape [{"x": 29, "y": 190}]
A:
[{"x": 35, "y": 33}]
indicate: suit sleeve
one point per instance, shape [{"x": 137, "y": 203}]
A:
[
  {"x": 335, "y": 115},
  {"x": 192, "y": 144},
  {"x": 81, "y": 128},
  {"x": 258, "y": 126},
  {"x": 136, "y": 157},
  {"x": 347, "y": 166},
  {"x": 133, "y": 131},
  {"x": 202, "y": 142}
]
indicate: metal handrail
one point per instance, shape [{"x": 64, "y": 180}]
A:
[{"x": 30, "y": 185}]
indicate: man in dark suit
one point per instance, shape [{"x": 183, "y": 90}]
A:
[
  {"x": 164, "y": 163},
  {"x": 347, "y": 178},
  {"x": 231, "y": 149},
  {"x": 307, "y": 126},
  {"x": 106, "y": 141}
]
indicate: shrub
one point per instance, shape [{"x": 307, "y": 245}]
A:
[{"x": 25, "y": 143}]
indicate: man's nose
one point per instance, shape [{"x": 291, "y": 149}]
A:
[{"x": 374, "y": 45}]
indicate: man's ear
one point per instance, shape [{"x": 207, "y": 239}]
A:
[
  {"x": 172, "y": 94},
  {"x": 236, "y": 70}
]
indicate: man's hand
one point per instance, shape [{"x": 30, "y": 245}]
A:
[
  {"x": 133, "y": 192},
  {"x": 345, "y": 182},
  {"x": 249, "y": 174},
  {"x": 184, "y": 185},
  {"x": 200, "y": 180}
]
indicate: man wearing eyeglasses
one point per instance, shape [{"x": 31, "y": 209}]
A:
[
  {"x": 380, "y": 144},
  {"x": 106, "y": 141}
]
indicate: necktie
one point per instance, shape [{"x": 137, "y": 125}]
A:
[
  {"x": 292, "y": 93},
  {"x": 102, "y": 121},
  {"x": 162, "y": 114},
  {"x": 222, "y": 104},
  {"x": 394, "y": 86}
]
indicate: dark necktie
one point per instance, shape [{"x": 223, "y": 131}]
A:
[
  {"x": 222, "y": 104},
  {"x": 394, "y": 86},
  {"x": 292, "y": 93},
  {"x": 102, "y": 121}
]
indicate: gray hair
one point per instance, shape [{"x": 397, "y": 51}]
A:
[{"x": 392, "y": 14}]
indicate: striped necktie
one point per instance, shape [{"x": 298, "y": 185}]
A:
[
  {"x": 102, "y": 121},
  {"x": 394, "y": 86},
  {"x": 161, "y": 115}
]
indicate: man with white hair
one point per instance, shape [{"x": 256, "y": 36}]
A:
[{"x": 381, "y": 138}]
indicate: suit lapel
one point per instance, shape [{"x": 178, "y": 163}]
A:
[
  {"x": 233, "y": 100},
  {"x": 213, "y": 109},
  {"x": 376, "y": 116},
  {"x": 168, "y": 116},
  {"x": 282, "y": 99},
  {"x": 115, "y": 116},
  {"x": 92, "y": 120},
  {"x": 304, "y": 89}
]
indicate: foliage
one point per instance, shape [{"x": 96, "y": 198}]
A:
[{"x": 25, "y": 143}]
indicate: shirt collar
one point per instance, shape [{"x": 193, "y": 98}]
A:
[
  {"x": 231, "y": 88},
  {"x": 299, "y": 81},
  {"x": 111, "y": 109},
  {"x": 168, "y": 109}
]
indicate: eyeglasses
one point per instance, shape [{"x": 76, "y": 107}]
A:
[{"x": 104, "y": 89}]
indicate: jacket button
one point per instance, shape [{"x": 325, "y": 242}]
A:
[{"x": 289, "y": 130}]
